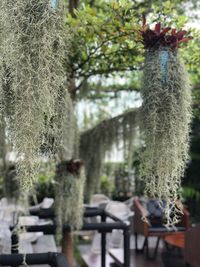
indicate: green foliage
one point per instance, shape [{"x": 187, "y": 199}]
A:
[
  {"x": 103, "y": 90},
  {"x": 103, "y": 39},
  {"x": 136, "y": 165},
  {"x": 44, "y": 188},
  {"x": 190, "y": 192},
  {"x": 105, "y": 35},
  {"x": 191, "y": 181},
  {"x": 191, "y": 57},
  {"x": 192, "y": 60},
  {"x": 44, "y": 184},
  {"x": 124, "y": 182},
  {"x": 169, "y": 12},
  {"x": 77, "y": 252},
  {"x": 96, "y": 52},
  {"x": 106, "y": 185}
]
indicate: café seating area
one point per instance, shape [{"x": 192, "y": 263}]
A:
[{"x": 117, "y": 234}]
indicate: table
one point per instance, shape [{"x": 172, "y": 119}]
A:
[{"x": 176, "y": 240}]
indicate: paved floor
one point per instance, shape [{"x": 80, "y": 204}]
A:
[{"x": 137, "y": 260}]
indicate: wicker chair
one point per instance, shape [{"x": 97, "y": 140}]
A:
[{"x": 153, "y": 230}]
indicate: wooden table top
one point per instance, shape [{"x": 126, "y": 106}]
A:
[{"x": 176, "y": 240}]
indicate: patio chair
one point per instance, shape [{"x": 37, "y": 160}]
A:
[
  {"x": 122, "y": 211},
  {"x": 119, "y": 209},
  {"x": 155, "y": 228},
  {"x": 44, "y": 209},
  {"x": 114, "y": 240},
  {"x": 36, "y": 241},
  {"x": 99, "y": 200},
  {"x": 192, "y": 245},
  {"x": 45, "y": 204}
]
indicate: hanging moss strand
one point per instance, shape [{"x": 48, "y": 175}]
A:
[
  {"x": 36, "y": 95},
  {"x": 166, "y": 116}
]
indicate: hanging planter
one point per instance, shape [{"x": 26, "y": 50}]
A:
[
  {"x": 166, "y": 117},
  {"x": 34, "y": 96},
  {"x": 69, "y": 189}
]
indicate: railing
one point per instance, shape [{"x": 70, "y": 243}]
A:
[
  {"x": 52, "y": 259},
  {"x": 102, "y": 227}
]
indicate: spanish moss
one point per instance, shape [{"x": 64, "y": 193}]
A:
[
  {"x": 69, "y": 189},
  {"x": 94, "y": 144},
  {"x": 35, "y": 93},
  {"x": 166, "y": 117}
]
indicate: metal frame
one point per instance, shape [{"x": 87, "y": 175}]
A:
[
  {"x": 145, "y": 247},
  {"x": 52, "y": 259},
  {"x": 102, "y": 227}
]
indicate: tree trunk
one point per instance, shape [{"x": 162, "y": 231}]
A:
[
  {"x": 68, "y": 239},
  {"x": 2, "y": 148},
  {"x": 73, "y": 4},
  {"x": 72, "y": 86}
]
